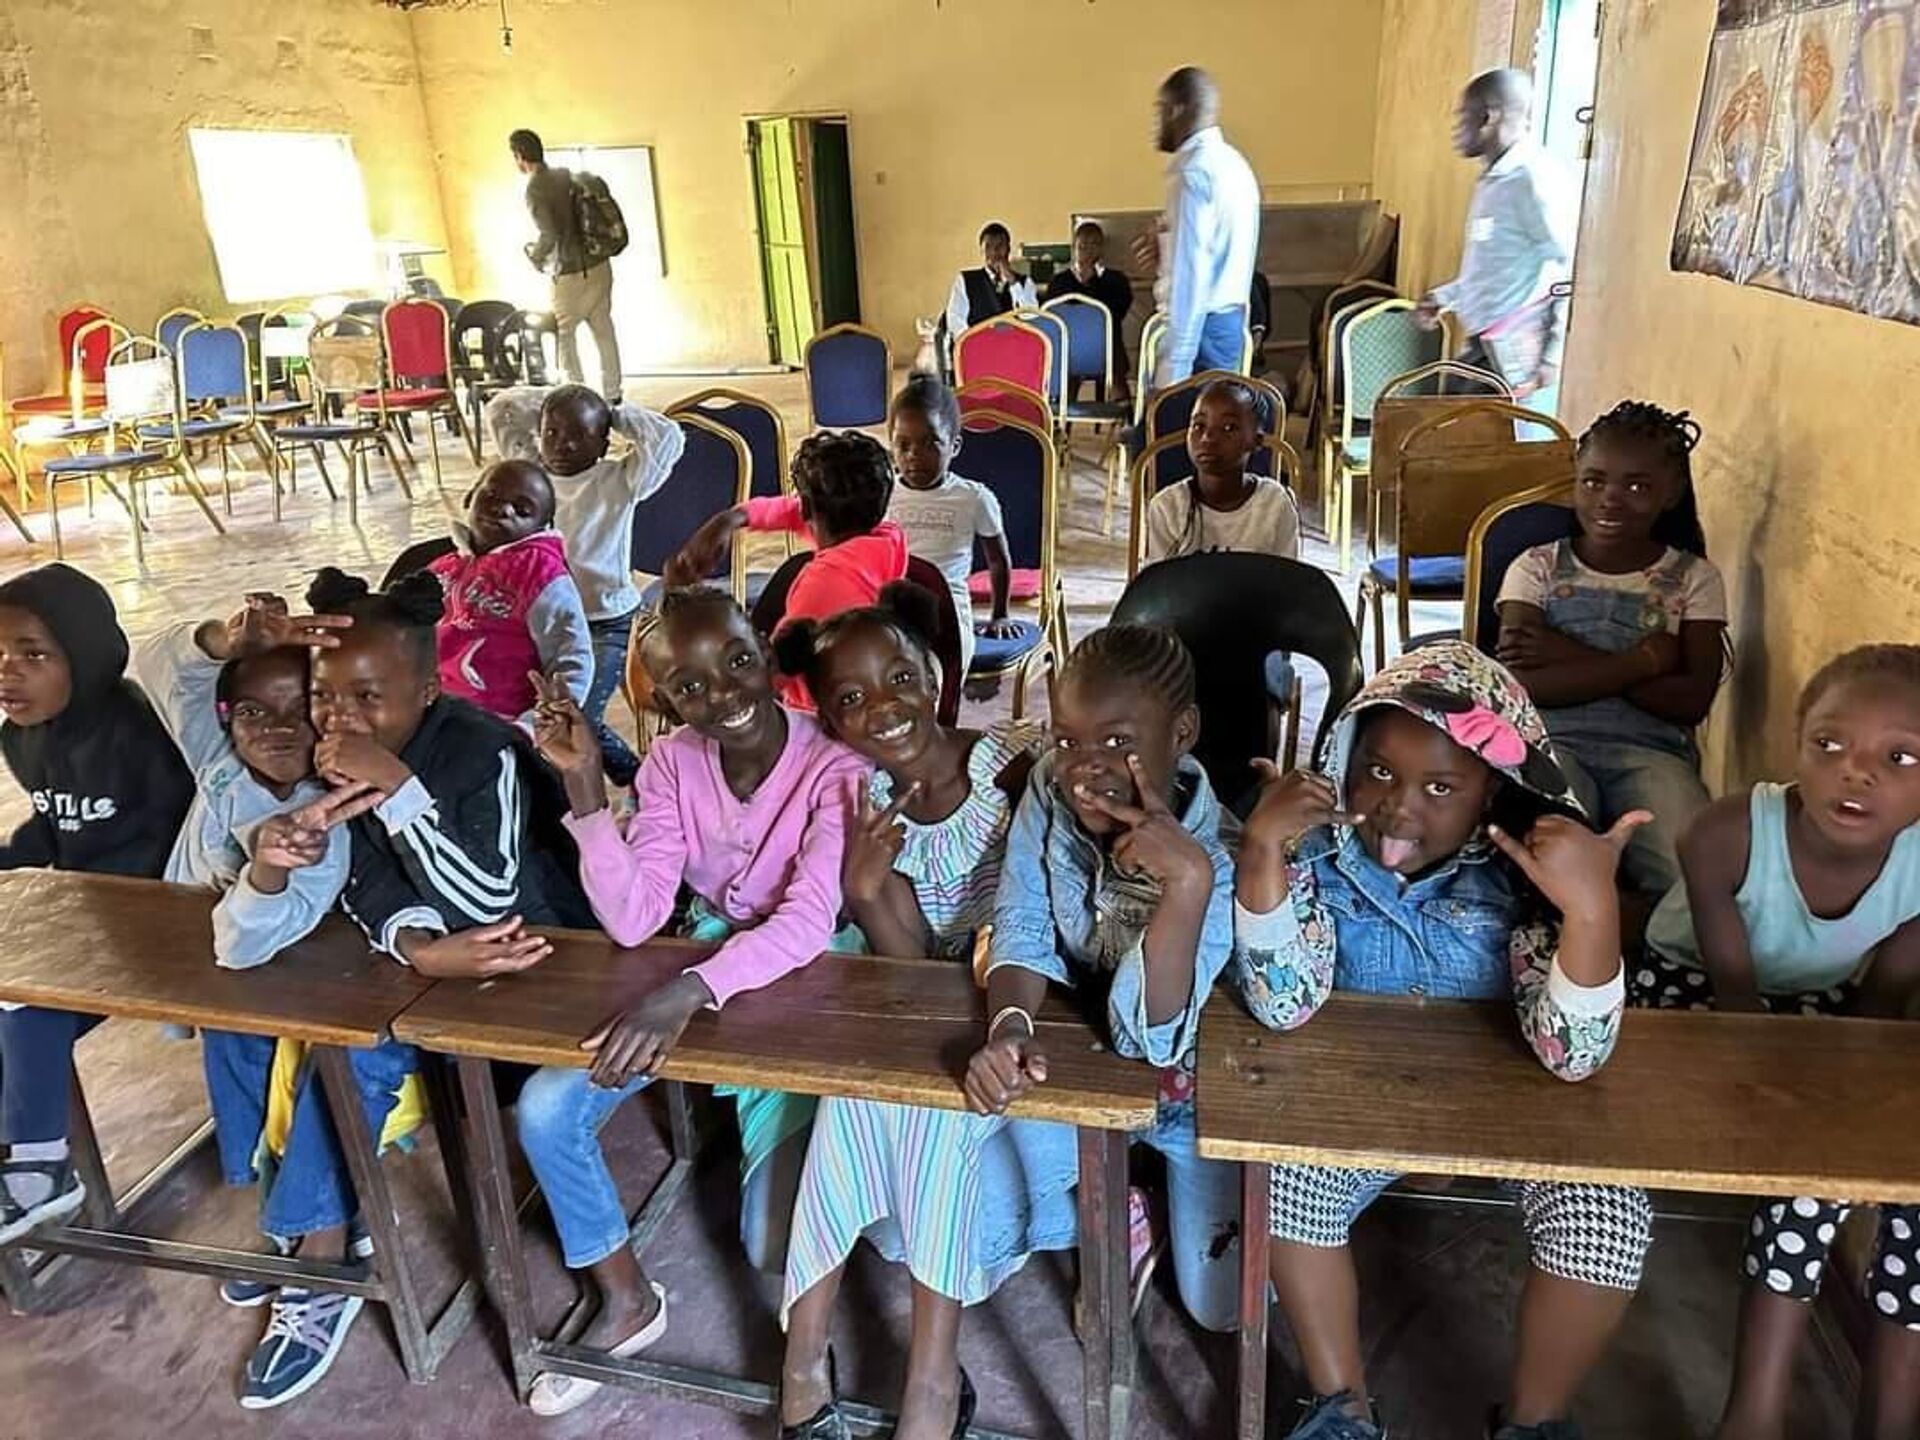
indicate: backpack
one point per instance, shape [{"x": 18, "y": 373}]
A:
[{"x": 596, "y": 215}]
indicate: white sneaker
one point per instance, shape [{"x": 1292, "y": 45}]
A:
[{"x": 557, "y": 1394}]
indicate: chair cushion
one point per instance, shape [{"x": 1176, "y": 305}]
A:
[
  {"x": 97, "y": 464},
  {"x": 54, "y": 434},
  {"x": 1021, "y": 585},
  {"x": 93, "y": 395},
  {"x": 408, "y": 399},
  {"x": 1440, "y": 575},
  {"x": 992, "y": 656},
  {"x": 192, "y": 430},
  {"x": 325, "y": 432},
  {"x": 269, "y": 407},
  {"x": 1099, "y": 412}
]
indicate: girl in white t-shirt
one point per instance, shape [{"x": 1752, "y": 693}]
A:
[
  {"x": 941, "y": 513},
  {"x": 1221, "y": 507},
  {"x": 1620, "y": 635}
]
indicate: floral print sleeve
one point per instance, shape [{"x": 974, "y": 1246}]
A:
[
  {"x": 1283, "y": 960},
  {"x": 1571, "y": 1027}
]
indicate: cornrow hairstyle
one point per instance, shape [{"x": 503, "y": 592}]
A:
[
  {"x": 801, "y": 647},
  {"x": 683, "y": 600},
  {"x": 846, "y": 479},
  {"x": 1675, "y": 433},
  {"x": 410, "y": 608},
  {"x": 1897, "y": 664},
  {"x": 930, "y": 398},
  {"x": 1148, "y": 657},
  {"x": 1248, "y": 400}
]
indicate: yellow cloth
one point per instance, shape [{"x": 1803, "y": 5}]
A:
[{"x": 408, "y": 1114}]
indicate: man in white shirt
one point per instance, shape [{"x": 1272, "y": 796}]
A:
[
  {"x": 992, "y": 289},
  {"x": 1519, "y": 243},
  {"x": 1204, "y": 254}
]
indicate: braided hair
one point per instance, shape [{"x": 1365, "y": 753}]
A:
[
  {"x": 651, "y": 629},
  {"x": 410, "y": 607},
  {"x": 846, "y": 479},
  {"x": 1895, "y": 664},
  {"x": 1243, "y": 395},
  {"x": 1674, "y": 433},
  {"x": 1150, "y": 658},
  {"x": 802, "y": 646}
]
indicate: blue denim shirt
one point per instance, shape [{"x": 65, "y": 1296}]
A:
[
  {"x": 1064, "y": 912},
  {"x": 1445, "y": 934}
]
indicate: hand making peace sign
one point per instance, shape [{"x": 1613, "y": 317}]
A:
[
  {"x": 1154, "y": 843},
  {"x": 873, "y": 845},
  {"x": 560, "y": 727}
]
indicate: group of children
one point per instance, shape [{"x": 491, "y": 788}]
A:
[{"x": 433, "y": 760}]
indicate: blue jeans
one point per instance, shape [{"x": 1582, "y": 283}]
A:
[
  {"x": 1611, "y": 778},
  {"x": 308, "y": 1189},
  {"x": 609, "y": 665},
  {"x": 1223, "y": 342},
  {"x": 36, "y": 1072},
  {"x": 559, "y": 1115}
]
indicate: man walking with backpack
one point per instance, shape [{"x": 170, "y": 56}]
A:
[{"x": 577, "y": 253}]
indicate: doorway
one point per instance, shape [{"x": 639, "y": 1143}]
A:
[
  {"x": 637, "y": 270},
  {"x": 802, "y": 177},
  {"x": 1566, "y": 67}
]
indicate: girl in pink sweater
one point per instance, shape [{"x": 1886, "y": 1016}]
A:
[
  {"x": 511, "y": 604},
  {"x": 747, "y": 805}
]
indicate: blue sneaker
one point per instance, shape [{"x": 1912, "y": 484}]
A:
[
  {"x": 251, "y": 1294},
  {"x": 304, "y": 1337},
  {"x": 1327, "y": 1418}
]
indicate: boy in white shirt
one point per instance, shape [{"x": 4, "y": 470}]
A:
[{"x": 567, "y": 430}]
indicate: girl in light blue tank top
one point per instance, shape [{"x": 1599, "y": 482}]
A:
[{"x": 1807, "y": 897}]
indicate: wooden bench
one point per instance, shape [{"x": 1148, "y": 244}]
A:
[
  {"x": 1720, "y": 1104},
  {"x": 106, "y": 945},
  {"x": 877, "y": 1029}
]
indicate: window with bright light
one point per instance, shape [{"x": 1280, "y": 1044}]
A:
[{"x": 286, "y": 211}]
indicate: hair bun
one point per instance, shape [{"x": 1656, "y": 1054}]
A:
[
  {"x": 912, "y": 608},
  {"x": 333, "y": 590},
  {"x": 793, "y": 647},
  {"x": 418, "y": 598}
]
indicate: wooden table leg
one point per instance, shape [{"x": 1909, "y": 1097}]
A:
[
  {"x": 497, "y": 1218},
  {"x": 1106, "y": 1322},
  {"x": 1254, "y": 1241},
  {"x": 361, "y": 1148}
]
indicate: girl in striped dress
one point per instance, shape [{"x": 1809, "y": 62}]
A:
[{"x": 922, "y": 867}]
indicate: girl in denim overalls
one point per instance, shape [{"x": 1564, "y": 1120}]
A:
[
  {"x": 1430, "y": 858},
  {"x": 1619, "y": 635}
]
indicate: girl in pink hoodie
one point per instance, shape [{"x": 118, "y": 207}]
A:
[
  {"x": 842, "y": 482},
  {"x": 511, "y": 604}
]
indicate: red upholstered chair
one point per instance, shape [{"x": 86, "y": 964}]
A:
[
  {"x": 1003, "y": 349},
  {"x": 418, "y": 336}
]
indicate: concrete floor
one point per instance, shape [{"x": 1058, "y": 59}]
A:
[{"x": 148, "y": 1353}]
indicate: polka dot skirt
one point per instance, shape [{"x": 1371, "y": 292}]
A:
[
  {"x": 1788, "y": 1243},
  {"x": 1656, "y": 983}
]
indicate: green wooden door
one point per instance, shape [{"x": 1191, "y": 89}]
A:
[{"x": 783, "y": 244}]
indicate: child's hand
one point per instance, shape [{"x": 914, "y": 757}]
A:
[
  {"x": 1662, "y": 652},
  {"x": 1289, "y": 806},
  {"x": 282, "y": 842},
  {"x": 1528, "y": 644},
  {"x": 560, "y": 727},
  {"x": 1000, "y": 628},
  {"x": 263, "y": 624},
  {"x": 481, "y": 953},
  {"x": 637, "y": 1042},
  {"x": 1569, "y": 864},
  {"x": 344, "y": 758},
  {"x": 1155, "y": 842},
  {"x": 1003, "y": 1070},
  {"x": 873, "y": 845},
  {"x": 704, "y": 550}
]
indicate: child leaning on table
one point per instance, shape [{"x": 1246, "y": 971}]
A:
[
  {"x": 271, "y": 840},
  {"x": 108, "y": 791},
  {"x": 1805, "y": 898},
  {"x": 1442, "y": 854},
  {"x": 746, "y": 805}
]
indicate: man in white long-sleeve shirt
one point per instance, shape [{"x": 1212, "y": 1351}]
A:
[
  {"x": 1519, "y": 242},
  {"x": 1205, "y": 253}
]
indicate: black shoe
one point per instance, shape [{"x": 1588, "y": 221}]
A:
[
  {"x": 969, "y": 1402},
  {"x": 1499, "y": 1429},
  {"x": 826, "y": 1423}
]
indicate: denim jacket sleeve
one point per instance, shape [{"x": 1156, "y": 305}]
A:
[
  {"x": 1283, "y": 960},
  {"x": 1571, "y": 1027},
  {"x": 1023, "y": 930},
  {"x": 1172, "y": 1041}
]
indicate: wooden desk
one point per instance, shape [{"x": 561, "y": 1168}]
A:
[
  {"x": 1735, "y": 1104},
  {"x": 879, "y": 1029},
  {"x": 118, "y": 947}
]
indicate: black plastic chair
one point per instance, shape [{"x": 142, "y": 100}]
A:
[
  {"x": 417, "y": 556},
  {"x": 1232, "y": 612},
  {"x": 771, "y": 608}
]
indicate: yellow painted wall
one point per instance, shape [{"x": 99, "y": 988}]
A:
[
  {"x": 97, "y": 193},
  {"x": 960, "y": 111},
  {"x": 1805, "y": 474}
]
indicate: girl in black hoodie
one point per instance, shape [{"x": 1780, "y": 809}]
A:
[{"x": 109, "y": 791}]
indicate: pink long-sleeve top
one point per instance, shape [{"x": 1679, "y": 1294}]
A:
[{"x": 770, "y": 863}]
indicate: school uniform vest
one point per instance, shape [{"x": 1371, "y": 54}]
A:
[{"x": 985, "y": 299}]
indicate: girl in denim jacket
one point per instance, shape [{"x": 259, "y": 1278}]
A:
[
  {"x": 1118, "y": 883},
  {"x": 1619, "y": 635},
  {"x": 1431, "y": 858}
]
